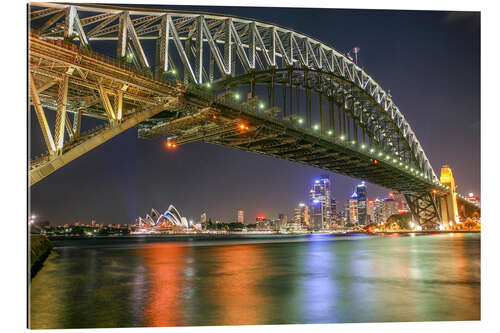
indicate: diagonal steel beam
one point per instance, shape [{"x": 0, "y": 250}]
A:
[
  {"x": 62, "y": 98},
  {"x": 106, "y": 103},
  {"x": 42, "y": 120}
]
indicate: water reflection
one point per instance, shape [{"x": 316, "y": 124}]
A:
[
  {"x": 229, "y": 293},
  {"x": 124, "y": 283},
  {"x": 165, "y": 266},
  {"x": 320, "y": 291}
]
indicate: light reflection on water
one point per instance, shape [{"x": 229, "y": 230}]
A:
[{"x": 312, "y": 279}]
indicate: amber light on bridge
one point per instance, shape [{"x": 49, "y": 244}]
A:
[{"x": 170, "y": 145}]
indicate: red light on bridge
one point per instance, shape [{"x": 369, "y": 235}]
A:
[
  {"x": 170, "y": 145},
  {"x": 214, "y": 117},
  {"x": 375, "y": 162}
]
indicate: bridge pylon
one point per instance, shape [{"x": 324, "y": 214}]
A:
[{"x": 449, "y": 207}]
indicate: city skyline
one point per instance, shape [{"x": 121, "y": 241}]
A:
[
  {"x": 241, "y": 215},
  {"x": 199, "y": 172}
]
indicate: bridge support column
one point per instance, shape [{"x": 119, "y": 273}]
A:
[
  {"x": 425, "y": 208},
  {"x": 449, "y": 207}
]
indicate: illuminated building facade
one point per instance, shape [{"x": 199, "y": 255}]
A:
[
  {"x": 316, "y": 214},
  {"x": 346, "y": 213},
  {"x": 378, "y": 216},
  {"x": 353, "y": 209},
  {"x": 301, "y": 215},
  {"x": 390, "y": 207},
  {"x": 241, "y": 217},
  {"x": 361, "y": 196},
  {"x": 320, "y": 203},
  {"x": 170, "y": 218},
  {"x": 333, "y": 215},
  {"x": 370, "y": 211},
  {"x": 402, "y": 205}
]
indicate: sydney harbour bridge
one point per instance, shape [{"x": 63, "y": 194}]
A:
[{"x": 250, "y": 85}]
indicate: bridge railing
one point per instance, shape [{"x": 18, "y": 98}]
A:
[{"x": 119, "y": 63}]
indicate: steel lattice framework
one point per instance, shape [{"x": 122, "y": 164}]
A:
[{"x": 306, "y": 101}]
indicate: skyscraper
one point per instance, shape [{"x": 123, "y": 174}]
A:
[
  {"x": 316, "y": 215},
  {"x": 390, "y": 207},
  {"x": 361, "y": 196},
  {"x": 333, "y": 214},
  {"x": 401, "y": 201},
  {"x": 370, "y": 211},
  {"x": 346, "y": 213},
  {"x": 241, "y": 217},
  {"x": 203, "y": 218},
  {"x": 301, "y": 215},
  {"x": 320, "y": 203},
  {"x": 377, "y": 211},
  {"x": 353, "y": 208}
]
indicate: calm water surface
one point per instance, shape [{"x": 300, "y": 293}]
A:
[{"x": 310, "y": 279}]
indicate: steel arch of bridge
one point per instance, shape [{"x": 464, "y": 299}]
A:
[
  {"x": 235, "y": 46},
  {"x": 211, "y": 54}
]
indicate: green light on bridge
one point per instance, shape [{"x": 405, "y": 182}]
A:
[
  {"x": 363, "y": 146},
  {"x": 300, "y": 120},
  {"x": 129, "y": 57},
  {"x": 316, "y": 127},
  {"x": 330, "y": 132},
  {"x": 261, "y": 106},
  {"x": 208, "y": 85},
  {"x": 342, "y": 138},
  {"x": 237, "y": 96}
]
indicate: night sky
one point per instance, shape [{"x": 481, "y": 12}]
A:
[{"x": 430, "y": 61}]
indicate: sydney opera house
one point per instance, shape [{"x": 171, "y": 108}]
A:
[{"x": 171, "y": 219}]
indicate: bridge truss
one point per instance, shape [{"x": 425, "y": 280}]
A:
[{"x": 225, "y": 80}]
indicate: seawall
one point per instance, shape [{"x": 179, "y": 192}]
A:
[{"x": 40, "y": 248}]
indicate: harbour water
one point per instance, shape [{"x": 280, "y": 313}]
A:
[{"x": 155, "y": 281}]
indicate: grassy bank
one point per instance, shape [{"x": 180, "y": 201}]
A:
[{"x": 40, "y": 248}]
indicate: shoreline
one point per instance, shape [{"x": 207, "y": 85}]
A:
[
  {"x": 233, "y": 235},
  {"x": 40, "y": 248}
]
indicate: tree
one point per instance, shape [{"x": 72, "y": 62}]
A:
[{"x": 402, "y": 220}]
